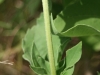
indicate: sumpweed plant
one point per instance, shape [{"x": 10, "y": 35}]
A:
[
  {"x": 43, "y": 49},
  {"x": 35, "y": 51}
]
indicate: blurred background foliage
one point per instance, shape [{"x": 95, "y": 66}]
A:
[{"x": 16, "y": 16}]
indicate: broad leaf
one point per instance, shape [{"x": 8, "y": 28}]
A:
[
  {"x": 27, "y": 45},
  {"x": 73, "y": 55},
  {"x": 72, "y": 23}
]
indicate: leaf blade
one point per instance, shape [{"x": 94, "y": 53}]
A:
[{"x": 73, "y": 55}]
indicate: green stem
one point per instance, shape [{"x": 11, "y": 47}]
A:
[{"x": 48, "y": 36}]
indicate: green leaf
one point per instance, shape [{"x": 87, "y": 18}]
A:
[
  {"x": 74, "y": 23},
  {"x": 80, "y": 30},
  {"x": 40, "y": 41},
  {"x": 39, "y": 70},
  {"x": 40, "y": 38},
  {"x": 68, "y": 71},
  {"x": 85, "y": 27},
  {"x": 59, "y": 24},
  {"x": 27, "y": 45},
  {"x": 58, "y": 47},
  {"x": 73, "y": 55},
  {"x": 44, "y": 64},
  {"x": 35, "y": 48},
  {"x": 35, "y": 55},
  {"x": 31, "y": 53}
]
